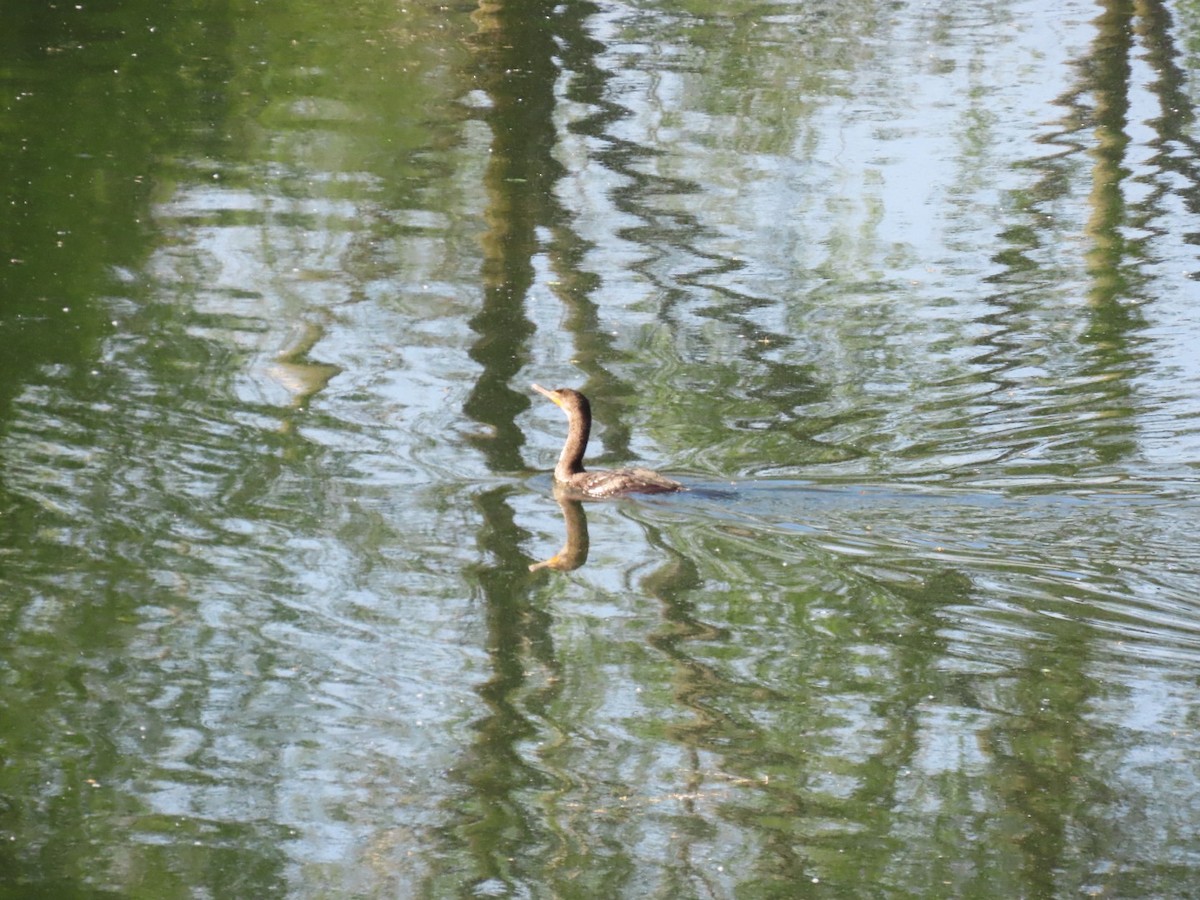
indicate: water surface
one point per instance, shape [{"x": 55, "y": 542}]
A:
[{"x": 906, "y": 293}]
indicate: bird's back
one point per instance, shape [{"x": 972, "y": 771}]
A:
[{"x": 619, "y": 482}]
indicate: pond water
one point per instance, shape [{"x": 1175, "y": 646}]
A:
[{"x": 907, "y": 293}]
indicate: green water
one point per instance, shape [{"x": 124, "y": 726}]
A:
[{"x": 906, "y": 293}]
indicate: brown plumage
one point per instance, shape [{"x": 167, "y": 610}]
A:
[{"x": 599, "y": 484}]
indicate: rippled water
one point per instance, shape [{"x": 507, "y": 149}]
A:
[{"x": 906, "y": 293}]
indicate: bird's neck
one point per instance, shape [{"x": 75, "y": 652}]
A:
[{"x": 570, "y": 461}]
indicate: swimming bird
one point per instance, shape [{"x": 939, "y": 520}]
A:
[{"x": 600, "y": 484}]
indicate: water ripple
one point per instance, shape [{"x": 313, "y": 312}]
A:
[{"x": 1105, "y": 559}]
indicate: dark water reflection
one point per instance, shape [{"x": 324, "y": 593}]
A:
[{"x": 906, "y": 293}]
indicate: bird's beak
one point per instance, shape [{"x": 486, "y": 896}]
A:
[{"x": 548, "y": 394}]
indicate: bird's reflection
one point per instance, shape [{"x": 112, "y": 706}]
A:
[{"x": 575, "y": 551}]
